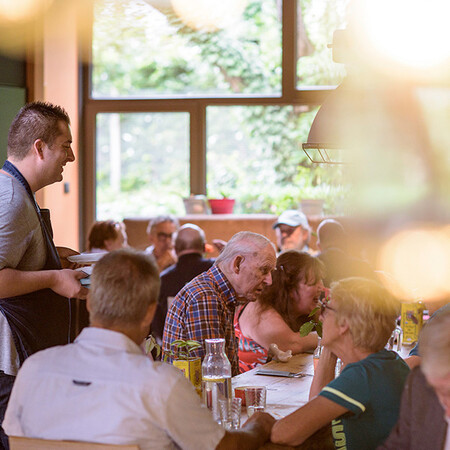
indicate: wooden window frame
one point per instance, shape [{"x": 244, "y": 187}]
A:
[{"x": 194, "y": 106}]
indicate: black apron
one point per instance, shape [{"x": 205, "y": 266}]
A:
[{"x": 40, "y": 319}]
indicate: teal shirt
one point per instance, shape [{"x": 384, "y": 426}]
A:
[{"x": 371, "y": 389}]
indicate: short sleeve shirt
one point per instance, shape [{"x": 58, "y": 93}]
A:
[
  {"x": 371, "y": 389},
  {"x": 204, "y": 309},
  {"x": 22, "y": 247}
]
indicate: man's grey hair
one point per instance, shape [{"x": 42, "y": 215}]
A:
[
  {"x": 190, "y": 237},
  {"x": 243, "y": 243},
  {"x": 161, "y": 219},
  {"x": 434, "y": 344},
  {"x": 124, "y": 283}
]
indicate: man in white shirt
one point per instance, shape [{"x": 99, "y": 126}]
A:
[{"x": 104, "y": 389}]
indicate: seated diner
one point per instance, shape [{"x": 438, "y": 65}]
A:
[
  {"x": 363, "y": 402},
  {"x": 104, "y": 389},
  {"x": 424, "y": 417},
  {"x": 283, "y": 307},
  {"x": 107, "y": 235}
]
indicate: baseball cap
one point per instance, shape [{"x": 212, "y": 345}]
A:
[{"x": 292, "y": 218}]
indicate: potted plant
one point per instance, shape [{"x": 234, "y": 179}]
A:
[
  {"x": 223, "y": 205},
  {"x": 313, "y": 324},
  {"x": 150, "y": 344},
  {"x": 191, "y": 366}
]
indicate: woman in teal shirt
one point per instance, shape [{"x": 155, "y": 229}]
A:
[{"x": 363, "y": 401}]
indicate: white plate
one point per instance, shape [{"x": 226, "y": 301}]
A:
[
  {"x": 86, "y": 258},
  {"x": 86, "y": 269}
]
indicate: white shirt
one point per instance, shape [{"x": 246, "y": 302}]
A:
[{"x": 102, "y": 388}]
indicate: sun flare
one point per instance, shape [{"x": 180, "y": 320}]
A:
[
  {"x": 414, "y": 33},
  {"x": 417, "y": 262}
]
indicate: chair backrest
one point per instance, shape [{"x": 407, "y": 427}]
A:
[{"x": 24, "y": 443}]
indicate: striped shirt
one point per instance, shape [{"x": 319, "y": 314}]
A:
[{"x": 204, "y": 309}]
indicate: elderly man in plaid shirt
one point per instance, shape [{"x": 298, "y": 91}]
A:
[{"x": 204, "y": 308}]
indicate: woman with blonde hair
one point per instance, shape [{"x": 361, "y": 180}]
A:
[{"x": 363, "y": 401}]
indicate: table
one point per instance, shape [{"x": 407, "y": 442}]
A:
[{"x": 285, "y": 395}]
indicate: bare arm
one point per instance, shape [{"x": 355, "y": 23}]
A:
[
  {"x": 254, "y": 433},
  {"x": 301, "y": 424},
  {"x": 324, "y": 373},
  {"x": 413, "y": 361},
  {"x": 268, "y": 327},
  {"x": 64, "y": 282}
]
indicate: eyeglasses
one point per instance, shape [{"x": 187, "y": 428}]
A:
[
  {"x": 324, "y": 306},
  {"x": 162, "y": 236},
  {"x": 286, "y": 230}
]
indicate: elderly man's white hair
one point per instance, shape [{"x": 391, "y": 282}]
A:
[{"x": 243, "y": 243}]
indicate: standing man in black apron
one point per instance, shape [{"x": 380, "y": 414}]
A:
[{"x": 34, "y": 289}]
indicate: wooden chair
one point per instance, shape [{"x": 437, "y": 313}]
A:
[{"x": 24, "y": 443}]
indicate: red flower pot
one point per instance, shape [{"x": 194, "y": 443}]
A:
[{"x": 221, "y": 205}]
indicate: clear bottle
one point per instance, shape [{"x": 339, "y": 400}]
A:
[
  {"x": 396, "y": 340},
  {"x": 216, "y": 375},
  {"x": 317, "y": 353}
]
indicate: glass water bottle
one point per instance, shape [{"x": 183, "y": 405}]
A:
[
  {"x": 216, "y": 375},
  {"x": 317, "y": 353}
]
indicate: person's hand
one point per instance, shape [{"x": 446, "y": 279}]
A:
[
  {"x": 67, "y": 283},
  {"x": 166, "y": 260},
  {"x": 64, "y": 253},
  {"x": 328, "y": 356},
  {"x": 263, "y": 420},
  {"x": 219, "y": 244}
]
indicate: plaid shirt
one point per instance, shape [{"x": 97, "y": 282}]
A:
[{"x": 204, "y": 309}]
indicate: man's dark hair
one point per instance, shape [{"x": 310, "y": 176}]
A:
[{"x": 37, "y": 120}]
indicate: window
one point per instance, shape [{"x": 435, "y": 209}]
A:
[
  {"x": 316, "y": 22},
  {"x": 140, "y": 51},
  {"x": 174, "y": 107},
  {"x": 253, "y": 155},
  {"x": 137, "y": 153}
]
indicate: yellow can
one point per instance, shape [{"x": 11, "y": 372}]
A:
[
  {"x": 411, "y": 321},
  {"x": 192, "y": 370}
]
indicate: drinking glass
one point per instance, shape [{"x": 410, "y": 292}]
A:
[
  {"x": 230, "y": 413},
  {"x": 395, "y": 341},
  {"x": 255, "y": 399}
]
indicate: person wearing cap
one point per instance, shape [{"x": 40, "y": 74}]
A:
[{"x": 293, "y": 231}]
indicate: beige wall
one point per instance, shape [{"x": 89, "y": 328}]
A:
[{"x": 56, "y": 79}]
